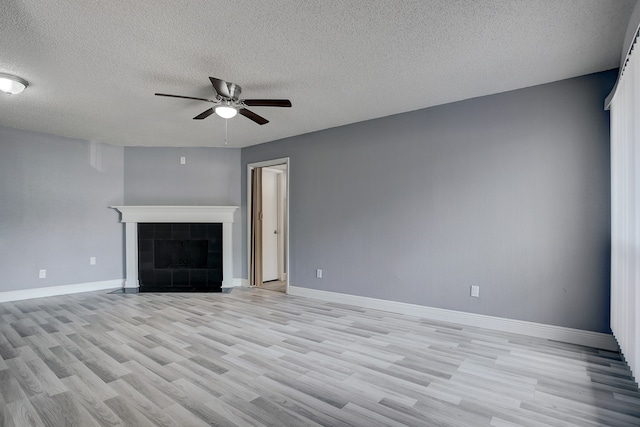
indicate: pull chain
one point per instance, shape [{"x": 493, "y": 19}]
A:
[{"x": 225, "y": 131}]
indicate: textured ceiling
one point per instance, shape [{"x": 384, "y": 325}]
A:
[{"x": 94, "y": 65}]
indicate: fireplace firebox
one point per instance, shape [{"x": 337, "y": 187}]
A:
[{"x": 180, "y": 257}]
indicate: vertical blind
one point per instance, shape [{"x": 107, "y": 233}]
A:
[{"x": 625, "y": 210}]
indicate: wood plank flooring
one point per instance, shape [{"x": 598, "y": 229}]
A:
[{"x": 260, "y": 358}]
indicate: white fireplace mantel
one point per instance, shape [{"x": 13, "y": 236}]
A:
[{"x": 132, "y": 215}]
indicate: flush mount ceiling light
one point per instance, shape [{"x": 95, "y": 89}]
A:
[
  {"x": 226, "y": 112},
  {"x": 12, "y": 84}
]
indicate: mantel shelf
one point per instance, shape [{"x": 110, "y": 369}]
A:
[{"x": 152, "y": 213}]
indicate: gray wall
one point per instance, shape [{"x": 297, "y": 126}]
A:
[
  {"x": 509, "y": 192},
  {"x": 630, "y": 33},
  {"x": 211, "y": 176},
  {"x": 54, "y": 215}
]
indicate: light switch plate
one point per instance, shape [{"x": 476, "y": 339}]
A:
[
  {"x": 475, "y": 291},
  {"x": 319, "y": 273}
]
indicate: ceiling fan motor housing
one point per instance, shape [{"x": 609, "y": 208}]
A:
[{"x": 234, "y": 91}]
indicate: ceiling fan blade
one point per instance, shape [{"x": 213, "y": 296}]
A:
[
  {"x": 267, "y": 102},
  {"x": 220, "y": 87},
  {"x": 185, "y": 97},
  {"x": 253, "y": 116},
  {"x": 204, "y": 114}
]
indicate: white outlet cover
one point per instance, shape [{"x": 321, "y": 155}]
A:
[
  {"x": 183, "y": 160},
  {"x": 92, "y": 260},
  {"x": 319, "y": 273},
  {"x": 475, "y": 291},
  {"x": 42, "y": 274}
]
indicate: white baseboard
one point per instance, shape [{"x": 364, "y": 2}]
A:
[
  {"x": 540, "y": 330},
  {"x": 241, "y": 282},
  {"x": 60, "y": 290}
]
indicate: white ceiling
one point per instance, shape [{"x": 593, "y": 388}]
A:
[{"x": 94, "y": 65}]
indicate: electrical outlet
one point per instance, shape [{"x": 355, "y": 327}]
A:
[
  {"x": 92, "y": 260},
  {"x": 475, "y": 291},
  {"x": 42, "y": 274},
  {"x": 183, "y": 160},
  {"x": 319, "y": 273}
]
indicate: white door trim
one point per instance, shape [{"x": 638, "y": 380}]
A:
[{"x": 267, "y": 163}]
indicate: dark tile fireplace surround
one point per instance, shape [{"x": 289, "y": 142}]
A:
[{"x": 180, "y": 257}]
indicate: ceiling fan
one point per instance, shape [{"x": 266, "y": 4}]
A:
[{"x": 228, "y": 102}]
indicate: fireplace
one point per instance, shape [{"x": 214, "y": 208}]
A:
[
  {"x": 179, "y": 254},
  {"x": 180, "y": 257},
  {"x": 177, "y": 237}
]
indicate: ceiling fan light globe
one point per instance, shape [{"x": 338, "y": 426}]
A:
[
  {"x": 11, "y": 85},
  {"x": 226, "y": 112}
]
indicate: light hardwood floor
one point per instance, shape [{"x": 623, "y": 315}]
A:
[{"x": 256, "y": 357}]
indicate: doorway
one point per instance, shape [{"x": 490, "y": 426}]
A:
[{"x": 268, "y": 224}]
